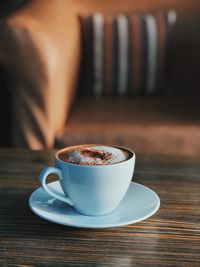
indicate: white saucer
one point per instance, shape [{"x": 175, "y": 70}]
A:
[{"x": 139, "y": 203}]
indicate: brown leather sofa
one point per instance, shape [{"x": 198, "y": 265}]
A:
[{"x": 40, "y": 51}]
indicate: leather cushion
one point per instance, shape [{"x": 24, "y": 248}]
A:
[{"x": 165, "y": 126}]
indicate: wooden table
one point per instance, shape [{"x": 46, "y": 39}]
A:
[{"x": 169, "y": 238}]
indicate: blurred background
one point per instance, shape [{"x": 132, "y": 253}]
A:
[{"x": 118, "y": 72}]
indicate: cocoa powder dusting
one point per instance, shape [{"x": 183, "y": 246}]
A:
[{"x": 104, "y": 156}]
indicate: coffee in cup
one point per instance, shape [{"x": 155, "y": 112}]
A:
[{"x": 94, "y": 155}]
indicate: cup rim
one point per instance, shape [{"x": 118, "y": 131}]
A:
[{"x": 94, "y": 166}]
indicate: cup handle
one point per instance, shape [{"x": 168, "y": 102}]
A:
[{"x": 42, "y": 178}]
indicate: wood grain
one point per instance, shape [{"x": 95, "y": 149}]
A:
[{"x": 169, "y": 238}]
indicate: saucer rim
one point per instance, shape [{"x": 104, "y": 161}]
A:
[{"x": 100, "y": 226}]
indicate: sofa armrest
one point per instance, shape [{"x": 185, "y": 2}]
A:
[{"x": 40, "y": 54}]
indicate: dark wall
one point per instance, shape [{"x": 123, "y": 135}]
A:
[
  {"x": 5, "y": 108},
  {"x": 6, "y": 6}
]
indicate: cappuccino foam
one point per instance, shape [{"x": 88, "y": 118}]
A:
[{"x": 94, "y": 155}]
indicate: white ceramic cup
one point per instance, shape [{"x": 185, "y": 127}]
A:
[{"x": 91, "y": 190}]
